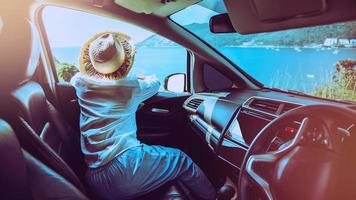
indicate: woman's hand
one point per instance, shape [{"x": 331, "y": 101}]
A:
[{"x": 147, "y": 78}]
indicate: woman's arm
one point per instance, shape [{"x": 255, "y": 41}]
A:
[{"x": 149, "y": 86}]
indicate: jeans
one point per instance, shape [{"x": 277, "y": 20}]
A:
[{"x": 145, "y": 168}]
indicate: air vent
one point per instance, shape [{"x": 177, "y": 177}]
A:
[
  {"x": 265, "y": 105},
  {"x": 194, "y": 103},
  {"x": 287, "y": 107}
]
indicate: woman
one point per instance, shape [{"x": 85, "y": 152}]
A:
[{"x": 120, "y": 166}]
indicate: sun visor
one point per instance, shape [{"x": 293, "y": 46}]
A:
[
  {"x": 276, "y": 10},
  {"x": 156, "y": 7},
  {"x": 254, "y": 16}
]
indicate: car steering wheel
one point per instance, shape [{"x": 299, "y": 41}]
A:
[{"x": 318, "y": 163}]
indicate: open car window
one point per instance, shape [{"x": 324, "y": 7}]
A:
[
  {"x": 68, "y": 30},
  {"x": 319, "y": 61}
]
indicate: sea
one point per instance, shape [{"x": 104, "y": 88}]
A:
[{"x": 293, "y": 68}]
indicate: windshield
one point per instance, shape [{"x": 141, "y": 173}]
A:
[{"x": 319, "y": 61}]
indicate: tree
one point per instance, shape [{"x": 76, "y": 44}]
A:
[
  {"x": 65, "y": 71},
  {"x": 343, "y": 86}
]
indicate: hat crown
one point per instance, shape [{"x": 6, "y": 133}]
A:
[
  {"x": 103, "y": 48},
  {"x": 106, "y": 54}
]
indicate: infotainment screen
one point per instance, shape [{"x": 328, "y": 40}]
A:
[
  {"x": 234, "y": 132},
  {"x": 246, "y": 125}
]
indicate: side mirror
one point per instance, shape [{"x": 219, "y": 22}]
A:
[{"x": 175, "y": 83}]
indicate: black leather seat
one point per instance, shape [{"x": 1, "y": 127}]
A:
[
  {"x": 40, "y": 128},
  {"x": 24, "y": 177},
  {"x": 44, "y": 132}
]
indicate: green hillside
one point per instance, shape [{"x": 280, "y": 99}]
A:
[{"x": 294, "y": 37}]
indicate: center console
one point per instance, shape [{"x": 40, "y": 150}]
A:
[
  {"x": 251, "y": 118},
  {"x": 229, "y": 128}
]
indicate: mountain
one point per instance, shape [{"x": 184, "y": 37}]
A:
[
  {"x": 295, "y": 37},
  {"x": 156, "y": 41}
]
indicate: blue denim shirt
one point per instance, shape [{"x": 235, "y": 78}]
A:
[{"x": 108, "y": 114}]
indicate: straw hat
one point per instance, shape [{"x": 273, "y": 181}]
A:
[{"x": 107, "y": 55}]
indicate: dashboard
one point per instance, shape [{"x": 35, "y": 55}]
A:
[{"x": 229, "y": 121}]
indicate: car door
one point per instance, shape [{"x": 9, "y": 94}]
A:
[{"x": 160, "y": 120}]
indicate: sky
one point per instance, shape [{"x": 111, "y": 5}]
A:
[
  {"x": 215, "y": 5},
  {"x": 193, "y": 14},
  {"x": 71, "y": 28}
]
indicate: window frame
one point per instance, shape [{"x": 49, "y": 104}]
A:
[{"x": 50, "y": 58}]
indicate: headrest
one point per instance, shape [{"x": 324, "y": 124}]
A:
[
  {"x": 31, "y": 104},
  {"x": 19, "y": 51}
]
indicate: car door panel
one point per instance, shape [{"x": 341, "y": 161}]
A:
[
  {"x": 158, "y": 118},
  {"x": 161, "y": 119}
]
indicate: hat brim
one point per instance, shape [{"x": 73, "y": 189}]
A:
[{"x": 87, "y": 68}]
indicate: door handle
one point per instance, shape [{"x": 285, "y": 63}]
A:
[{"x": 160, "y": 110}]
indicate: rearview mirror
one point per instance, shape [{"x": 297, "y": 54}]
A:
[
  {"x": 175, "y": 83},
  {"x": 221, "y": 24}
]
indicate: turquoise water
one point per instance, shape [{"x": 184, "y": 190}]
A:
[{"x": 286, "y": 68}]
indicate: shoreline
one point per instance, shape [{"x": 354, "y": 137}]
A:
[{"x": 238, "y": 46}]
